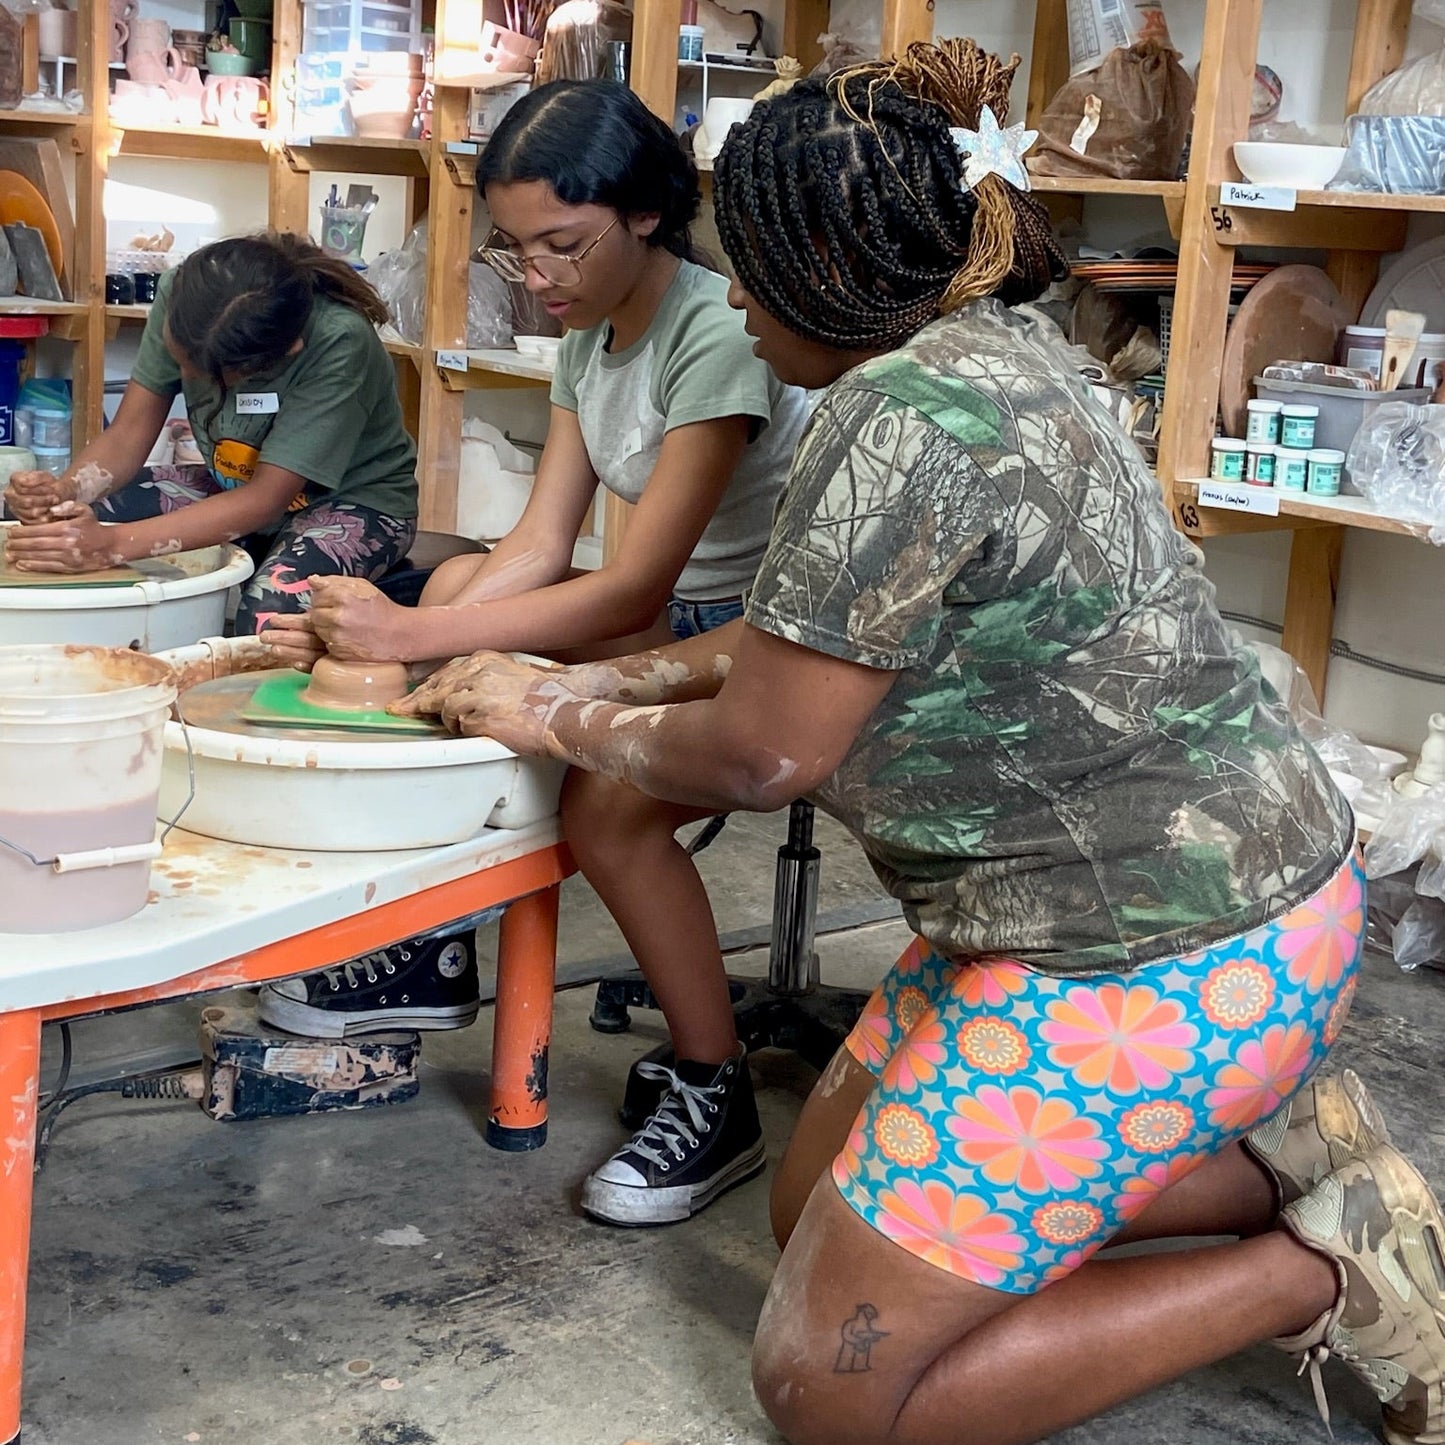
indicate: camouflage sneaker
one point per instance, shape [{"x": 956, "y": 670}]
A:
[
  {"x": 1377, "y": 1220},
  {"x": 1325, "y": 1125}
]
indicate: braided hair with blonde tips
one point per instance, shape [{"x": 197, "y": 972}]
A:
[{"x": 843, "y": 209}]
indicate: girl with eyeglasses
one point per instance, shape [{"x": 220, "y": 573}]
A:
[
  {"x": 658, "y": 398},
  {"x": 1139, "y": 911}
]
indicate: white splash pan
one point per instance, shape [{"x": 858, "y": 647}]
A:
[
  {"x": 346, "y": 797},
  {"x": 147, "y": 616}
]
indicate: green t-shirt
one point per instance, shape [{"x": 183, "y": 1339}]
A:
[
  {"x": 1074, "y": 767},
  {"x": 329, "y": 414}
]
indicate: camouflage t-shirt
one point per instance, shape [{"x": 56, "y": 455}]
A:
[{"x": 1074, "y": 766}]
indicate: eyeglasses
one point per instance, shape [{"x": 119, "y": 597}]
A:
[{"x": 553, "y": 269}]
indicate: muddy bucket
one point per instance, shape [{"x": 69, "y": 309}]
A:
[{"x": 81, "y": 731}]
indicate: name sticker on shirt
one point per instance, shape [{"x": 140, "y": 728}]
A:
[{"x": 257, "y": 403}]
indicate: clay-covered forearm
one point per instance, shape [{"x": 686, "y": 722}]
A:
[{"x": 686, "y": 671}]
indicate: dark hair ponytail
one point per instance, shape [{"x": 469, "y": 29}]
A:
[
  {"x": 239, "y": 305},
  {"x": 595, "y": 143}
]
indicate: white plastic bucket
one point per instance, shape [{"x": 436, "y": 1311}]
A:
[{"x": 81, "y": 735}]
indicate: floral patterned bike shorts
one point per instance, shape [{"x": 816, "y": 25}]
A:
[{"x": 1022, "y": 1119}]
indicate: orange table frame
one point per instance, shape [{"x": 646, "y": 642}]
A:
[{"x": 521, "y": 1037}]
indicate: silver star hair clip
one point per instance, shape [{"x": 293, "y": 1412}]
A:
[{"x": 991, "y": 151}]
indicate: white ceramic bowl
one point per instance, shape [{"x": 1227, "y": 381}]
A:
[
  {"x": 1300, "y": 167},
  {"x": 541, "y": 348}
]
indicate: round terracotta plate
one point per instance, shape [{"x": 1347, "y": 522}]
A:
[
  {"x": 1294, "y": 314},
  {"x": 22, "y": 204}
]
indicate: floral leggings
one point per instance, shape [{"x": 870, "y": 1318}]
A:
[
  {"x": 323, "y": 539},
  {"x": 1021, "y": 1119}
]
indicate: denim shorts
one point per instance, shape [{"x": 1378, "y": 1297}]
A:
[
  {"x": 692, "y": 619},
  {"x": 1021, "y": 1119}
]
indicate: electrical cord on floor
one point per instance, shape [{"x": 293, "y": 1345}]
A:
[
  {"x": 1342, "y": 649},
  {"x": 186, "y": 1083}
]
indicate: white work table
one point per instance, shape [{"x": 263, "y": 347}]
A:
[{"x": 226, "y": 915}]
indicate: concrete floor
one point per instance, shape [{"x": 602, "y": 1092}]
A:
[{"x": 386, "y": 1279}]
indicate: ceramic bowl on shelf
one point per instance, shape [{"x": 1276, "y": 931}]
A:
[
  {"x": 223, "y": 62},
  {"x": 538, "y": 348},
  {"x": 1300, "y": 167}
]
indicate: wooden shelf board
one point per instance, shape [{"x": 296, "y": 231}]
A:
[
  {"x": 127, "y": 313},
  {"x": 500, "y": 368},
  {"x": 191, "y": 142},
  {"x": 1370, "y": 201},
  {"x": 1105, "y": 186},
  {"x": 42, "y": 117},
  {"x": 26, "y": 306},
  {"x": 1339, "y": 511},
  {"x": 381, "y": 155},
  {"x": 396, "y": 347}
]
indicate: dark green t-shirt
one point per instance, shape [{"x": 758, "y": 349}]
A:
[{"x": 329, "y": 414}]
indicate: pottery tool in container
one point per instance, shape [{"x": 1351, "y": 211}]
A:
[{"x": 1403, "y": 330}]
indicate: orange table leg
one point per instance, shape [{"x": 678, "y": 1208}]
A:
[
  {"x": 19, "y": 1089},
  {"x": 522, "y": 1028}
]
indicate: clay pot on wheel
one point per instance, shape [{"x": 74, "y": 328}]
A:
[{"x": 355, "y": 686}]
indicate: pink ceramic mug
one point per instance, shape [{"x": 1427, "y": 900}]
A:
[
  {"x": 153, "y": 67},
  {"x": 119, "y": 34},
  {"x": 149, "y": 34}
]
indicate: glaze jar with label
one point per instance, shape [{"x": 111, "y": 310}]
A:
[
  {"x": 1297, "y": 425},
  {"x": 1227, "y": 457}
]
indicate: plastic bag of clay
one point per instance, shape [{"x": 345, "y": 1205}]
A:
[
  {"x": 848, "y": 44},
  {"x": 1411, "y": 831},
  {"x": 1419, "y": 936},
  {"x": 1393, "y": 155},
  {"x": 530, "y": 316},
  {"x": 578, "y": 34},
  {"x": 1098, "y": 26},
  {"x": 399, "y": 277},
  {"x": 1397, "y": 460},
  {"x": 1127, "y": 120},
  {"x": 489, "y": 308},
  {"x": 1414, "y": 89}
]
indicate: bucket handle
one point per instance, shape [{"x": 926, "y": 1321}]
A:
[{"x": 129, "y": 852}]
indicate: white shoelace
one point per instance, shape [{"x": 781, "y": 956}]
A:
[
  {"x": 348, "y": 970},
  {"x": 667, "y": 1129}
]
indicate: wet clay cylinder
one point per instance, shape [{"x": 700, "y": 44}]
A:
[{"x": 355, "y": 686}]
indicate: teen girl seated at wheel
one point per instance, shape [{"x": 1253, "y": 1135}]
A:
[
  {"x": 978, "y": 641},
  {"x": 293, "y": 403},
  {"x": 659, "y": 399}
]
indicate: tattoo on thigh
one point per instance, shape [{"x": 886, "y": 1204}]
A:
[{"x": 859, "y": 1337}]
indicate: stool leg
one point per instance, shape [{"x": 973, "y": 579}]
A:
[
  {"x": 792, "y": 963},
  {"x": 522, "y": 1028},
  {"x": 20, "y": 1085}
]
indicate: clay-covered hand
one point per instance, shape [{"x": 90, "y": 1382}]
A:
[
  {"x": 357, "y": 622},
  {"x": 292, "y": 641},
  {"x": 74, "y": 542},
  {"x": 31, "y": 495},
  {"x": 490, "y": 694}
]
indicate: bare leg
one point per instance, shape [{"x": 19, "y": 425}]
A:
[
  {"x": 624, "y": 844},
  {"x": 958, "y": 1364}
]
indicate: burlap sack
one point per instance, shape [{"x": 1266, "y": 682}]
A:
[{"x": 1128, "y": 119}]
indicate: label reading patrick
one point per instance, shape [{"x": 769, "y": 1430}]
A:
[
  {"x": 257, "y": 403},
  {"x": 1257, "y": 198},
  {"x": 1239, "y": 497}
]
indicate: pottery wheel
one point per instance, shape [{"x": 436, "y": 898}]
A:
[
  {"x": 218, "y": 704},
  {"x": 1294, "y": 314}
]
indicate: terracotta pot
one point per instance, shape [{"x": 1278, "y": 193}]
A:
[{"x": 59, "y": 32}]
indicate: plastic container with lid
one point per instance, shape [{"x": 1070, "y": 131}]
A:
[
  {"x": 1364, "y": 347},
  {"x": 55, "y": 460},
  {"x": 1291, "y": 470},
  {"x": 1326, "y": 466},
  {"x": 1297, "y": 422},
  {"x": 689, "y": 42},
  {"x": 1342, "y": 412},
  {"x": 1263, "y": 423},
  {"x": 49, "y": 427},
  {"x": 1227, "y": 455},
  {"x": 1260, "y": 463}
]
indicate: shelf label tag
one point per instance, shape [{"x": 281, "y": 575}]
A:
[
  {"x": 1240, "y": 497},
  {"x": 299, "y": 140},
  {"x": 1256, "y": 198},
  {"x": 452, "y": 360}
]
